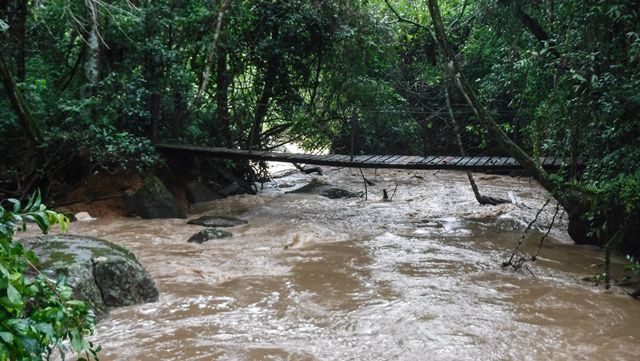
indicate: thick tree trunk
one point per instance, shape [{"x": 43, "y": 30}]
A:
[{"x": 18, "y": 104}]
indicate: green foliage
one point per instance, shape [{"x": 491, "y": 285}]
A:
[
  {"x": 633, "y": 265},
  {"x": 37, "y": 314},
  {"x": 105, "y": 149}
]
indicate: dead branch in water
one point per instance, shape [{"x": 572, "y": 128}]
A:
[
  {"x": 365, "y": 184},
  {"x": 555, "y": 214},
  {"x": 394, "y": 192},
  {"x": 517, "y": 264}
]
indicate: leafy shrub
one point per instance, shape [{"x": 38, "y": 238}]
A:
[
  {"x": 37, "y": 314},
  {"x": 108, "y": 150}
]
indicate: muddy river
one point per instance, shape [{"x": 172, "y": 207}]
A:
[{"x": 416, "y": 278}]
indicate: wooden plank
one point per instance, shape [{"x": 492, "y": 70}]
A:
[
  {"x": 359, "y": 159},
  {"x": 413, "y": 160},
  {"x": 416, "y": 160},
  {"x": 436, "y": 161},
  {"x": 474, "y": 161},
  {"x": 427, "y": 160},
  {"x": 465, "y": 162},
  {"x": 377, "y": 159},
  {"x": 491, "y": 163},
  {"x": 453, "y": 162},
  {"x": 449, "y": 161},
  {"x": 392, "y": 160},
  {"x": 485, "y": 162},
  {"x": 386, "y": 159},
  {"x": 502, "y": 162},
  {"x": 369, "y": 158},
  {"x": 443, "y": 160},
  {"x": 512, "y": 163},
  {"x": 404, "y": 160}
]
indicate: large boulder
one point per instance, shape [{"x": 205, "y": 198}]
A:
[
  {"x": 324, "y": 189},
  {"x": 99, "y": 272},
  {"x": 197, "y": 192},
  {"x": 152, "y": 200}
]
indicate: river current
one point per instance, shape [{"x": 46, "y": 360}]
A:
[{"x": 415, "y": 278}]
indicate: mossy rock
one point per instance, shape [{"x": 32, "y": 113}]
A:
[
  {"x": 152, "y": 200},
  {"x": 99, "y": 272},
  {"x": 208, "y": 235}
]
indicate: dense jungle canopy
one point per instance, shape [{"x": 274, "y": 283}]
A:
[{"x": 90, "y": 86}]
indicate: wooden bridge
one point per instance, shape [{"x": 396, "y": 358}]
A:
[{"x": 365, "y": 161}]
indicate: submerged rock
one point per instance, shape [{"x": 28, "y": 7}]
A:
[
  {"x": 99, "y": 272},
  {"x": 197, "y": 192},
  {"x": 152, "y": 200},
  {"x": 324, "y": 189},
  {"x": 217, "y": 221},
  {"x": 209, "y": 234}
]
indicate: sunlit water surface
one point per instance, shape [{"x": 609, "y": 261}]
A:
[{"x": 417, "y": 278}]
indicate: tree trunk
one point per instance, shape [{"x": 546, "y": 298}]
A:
[
  {"x": 531, "y": 24},
  {"x": 211, "y": 56},
  {"x": 92, "y": 56},
  {"x": 20, "y": 38},
  {"x": 262, "y": 105},
  {"x": 151, "y": 73},
  {"x": 19, "y": 105},
  {"x": 483, "y": 200},
  {"x": 223, "y": 81}
]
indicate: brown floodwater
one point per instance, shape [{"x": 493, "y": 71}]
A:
[{"x": 417, "y": 278}]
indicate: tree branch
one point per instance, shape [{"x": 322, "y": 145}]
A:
[{"x": 404, "y": 20}]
